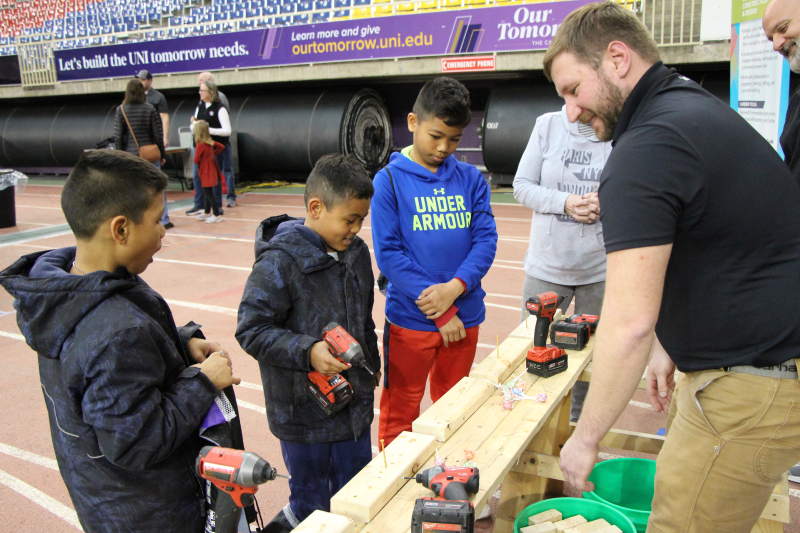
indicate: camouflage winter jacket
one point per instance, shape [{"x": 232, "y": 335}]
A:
[
  {"x": 123, "y": 402},
  {"x": 294, "y": 291}
]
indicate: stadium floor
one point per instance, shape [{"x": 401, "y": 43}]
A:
[{"x": 202, "y": 275}]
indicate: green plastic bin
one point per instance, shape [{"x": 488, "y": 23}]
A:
[
  {"x": 626, "y": 484},
  {"x": 569, "y": 507}
]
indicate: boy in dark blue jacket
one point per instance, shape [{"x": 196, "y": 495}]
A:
[
  {"x": 307, "y": 274},
  {"x": 435, "y": 239},
  {"x": 124, "y": 394}
]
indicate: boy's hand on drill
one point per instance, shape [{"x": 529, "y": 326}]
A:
[
  {"x": 437, "y": 299},
  {"x": 217, "y": 368},
  {"x": 324, "y": 362},
  {"x": 453, "y": 331},
  {"x": 200, "y": 349}
]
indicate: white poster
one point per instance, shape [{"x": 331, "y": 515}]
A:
[{"x": 760, "y": 74}]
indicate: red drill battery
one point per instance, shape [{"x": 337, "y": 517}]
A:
[
  {"x": 547, "y": 368},
  {"x": 437, "y": 516},
  {"x": 332, "y": 392},
  {"x": 570, "y": 336}
]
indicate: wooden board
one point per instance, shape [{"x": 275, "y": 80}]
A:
[
  {"x": 366, "y": 494},
  {"x": 632, "y": 441},
  {"x": 497, "y": 369},
  {"x": 448, "y": 414},
  {"x": 322, "y": 522},
  {"x": 587, "y": 376}
]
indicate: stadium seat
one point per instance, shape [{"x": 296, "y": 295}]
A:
[
  {"x": 407, "y": 7},
  {"x": 341, "y": 15},
  {"x": 264, "y": 23},
  {"x": 300, "y": 19},
  {"x": 270, "y": 10},
  {"x": 430, "y": 5},
  {"x": 288, "y": 8},
  {"x": 382, "y": 11},
  {"x": 362, "y": 13},
  {"x": 282, "y": 20},
  {"x": 321, "y": 17}
]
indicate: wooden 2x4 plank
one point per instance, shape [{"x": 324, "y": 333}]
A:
[
  {"x": 322, "y": 522},
  {"x": 496, "y": 368},
  {"x": 450, "y": 412},
  {"x": 364, "y": 495}
]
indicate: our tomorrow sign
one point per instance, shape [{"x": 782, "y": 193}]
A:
[{"x": 485, "y": 30}]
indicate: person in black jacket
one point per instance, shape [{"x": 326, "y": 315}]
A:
[
  {"x": 307, "y": 274},
  {"x": 126, "y": 391},
  {"x": 147, "y": 129},
  {"x": 699, "y": 261}
]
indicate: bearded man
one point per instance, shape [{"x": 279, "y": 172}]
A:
[
  {"x": 703, "y": 252},
  {"x": 781, "y": 23}
]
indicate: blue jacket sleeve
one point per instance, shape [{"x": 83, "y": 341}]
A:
[
  {"x": 403, "y": 273},
  {"x": 263, "y": 311},
  {"x": 484, "y": 238},
  {"x": 139, "y": 420}
]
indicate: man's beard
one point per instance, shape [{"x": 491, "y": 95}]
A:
[
  {"x": 790, "y": 52},
  {"x": 607, "y": 110}
]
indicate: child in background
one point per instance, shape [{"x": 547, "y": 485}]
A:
[
  {"x": 435, "y": 238},
  {"x": 307, "y": 274},
  {"x": 205, "y": 154},
  {"x": 126, "y": 391}
]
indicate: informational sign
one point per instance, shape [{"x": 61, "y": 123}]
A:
[
  {"x": 468, "y": 64},
  {"x": 759, "y": 75},
  {"x": 473, "y": 31}
]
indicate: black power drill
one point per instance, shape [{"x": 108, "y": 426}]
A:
[{"x": 450, "y": 507}]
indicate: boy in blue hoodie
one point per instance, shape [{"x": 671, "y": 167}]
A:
[
  {"x": 126, "y": 391},
  {"x": 307, "y": 274},
  {"x": 435, "y": 238}
]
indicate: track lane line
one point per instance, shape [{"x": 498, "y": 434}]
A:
[
  {"x": 31, "y": 457},
  {"x": 193, "y": 263},
  {"x": 41, "y": 499},
  {"x": 204, "y": 307},
  {"x": 15, "y": 336}
]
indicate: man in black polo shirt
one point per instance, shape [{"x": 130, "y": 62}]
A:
[{"x": 699, "y": 218}]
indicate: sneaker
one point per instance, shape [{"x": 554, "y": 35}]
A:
[
  {"x": 169, "y": 225},
  {"x": 794, "y": 473},
  {"x": 194, "y": 212},
  {"x": 231, "y": 202},
  {"x": 202, "y": 216},
  {"x": 221, "y": 212},
  {"x": 213, "y": 220}
]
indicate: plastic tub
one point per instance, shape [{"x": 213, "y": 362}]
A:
[
  {"x": 627, "y": 485},
  {"x": 590, "y": 510}
]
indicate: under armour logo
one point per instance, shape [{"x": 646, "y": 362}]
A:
[{"x": 438, "y": 191}]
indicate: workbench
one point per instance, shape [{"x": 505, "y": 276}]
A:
[{"x": 518, "y": 448}]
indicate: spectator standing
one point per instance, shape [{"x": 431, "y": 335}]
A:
[
  {"x": 199, "y": 199},
  {"x": 205, "y": 159},
  {"x": 558, "y": 178},
  {"x": 157, "y": 100},
  {"x": 147, "y": 129},
  {"x": 225, "y": 159}
]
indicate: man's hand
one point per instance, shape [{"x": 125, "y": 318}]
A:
[
  {"x": 200, "y": 349},
  {"x": 437, "y": 299},
  {"x": 217, "y": 368},
  {"x": 166, "y": 142},
  {"x": 453, "y": 331},
  {"x": 324, "y": 362},
  {"x": 660, "y": 378},
  {"x": 192, "y": 120},
  {"x": 585, "y": 209},
  {"x": 577, "y": 461}
]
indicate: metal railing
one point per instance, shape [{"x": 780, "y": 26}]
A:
[{"x": 671, "y": 22}]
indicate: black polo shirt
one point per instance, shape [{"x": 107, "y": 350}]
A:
[
  {"x": 157, "y": 100},
  {"x": 687, "y": 170}
]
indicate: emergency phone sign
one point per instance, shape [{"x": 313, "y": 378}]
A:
[{"x": 468, "y": 64}]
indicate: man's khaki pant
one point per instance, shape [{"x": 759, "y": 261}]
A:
[{"x": 732, "y": 438}]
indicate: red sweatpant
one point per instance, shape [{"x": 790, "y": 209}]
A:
[{"x": 409, "y": 356}]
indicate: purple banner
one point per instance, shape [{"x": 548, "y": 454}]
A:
[{"x": 485, "y": 30}]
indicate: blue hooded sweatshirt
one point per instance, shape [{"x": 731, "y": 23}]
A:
[{"x": 430, "y": 228}]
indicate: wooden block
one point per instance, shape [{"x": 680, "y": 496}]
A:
[
  {"x": 589, "y": 527},
  {"x": 448, "y": 414},
  {"x": 587, "y": 376},
  {"x": 569, "y": 523},
  {"x": 498, "y": 369},
  {"x": 551, "y": 515},
  {"x": 524, "y": 330},
  {"x": 366, "y": 494},
  {"x": 544, "y": 527},
  {"x": 322, "y": 522},
  {"x": 609, "y": 529}
]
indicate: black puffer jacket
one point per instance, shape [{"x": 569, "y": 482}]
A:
[
  {"x": 294, "y": 291},
  {"x": 123, "y": 402},
  {"x": 146, "y": 124}
]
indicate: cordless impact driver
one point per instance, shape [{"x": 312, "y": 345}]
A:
[
  {"x": 334, "y": 392},
  {"x": 451, "y": 509},
  {"x": 544, "y": 359},
  {"x": 237, "y": 474}
]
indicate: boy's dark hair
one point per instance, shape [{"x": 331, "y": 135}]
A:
[
  {"x": 108, "y": 183},
  {"x": 445, "y": 99},
  {"x": 337, "y": 178}
]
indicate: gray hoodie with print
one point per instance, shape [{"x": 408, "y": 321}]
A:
[{"x": 558, "y": 161}]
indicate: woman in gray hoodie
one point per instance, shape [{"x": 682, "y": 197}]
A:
[{"x": 557, "y": 178}]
